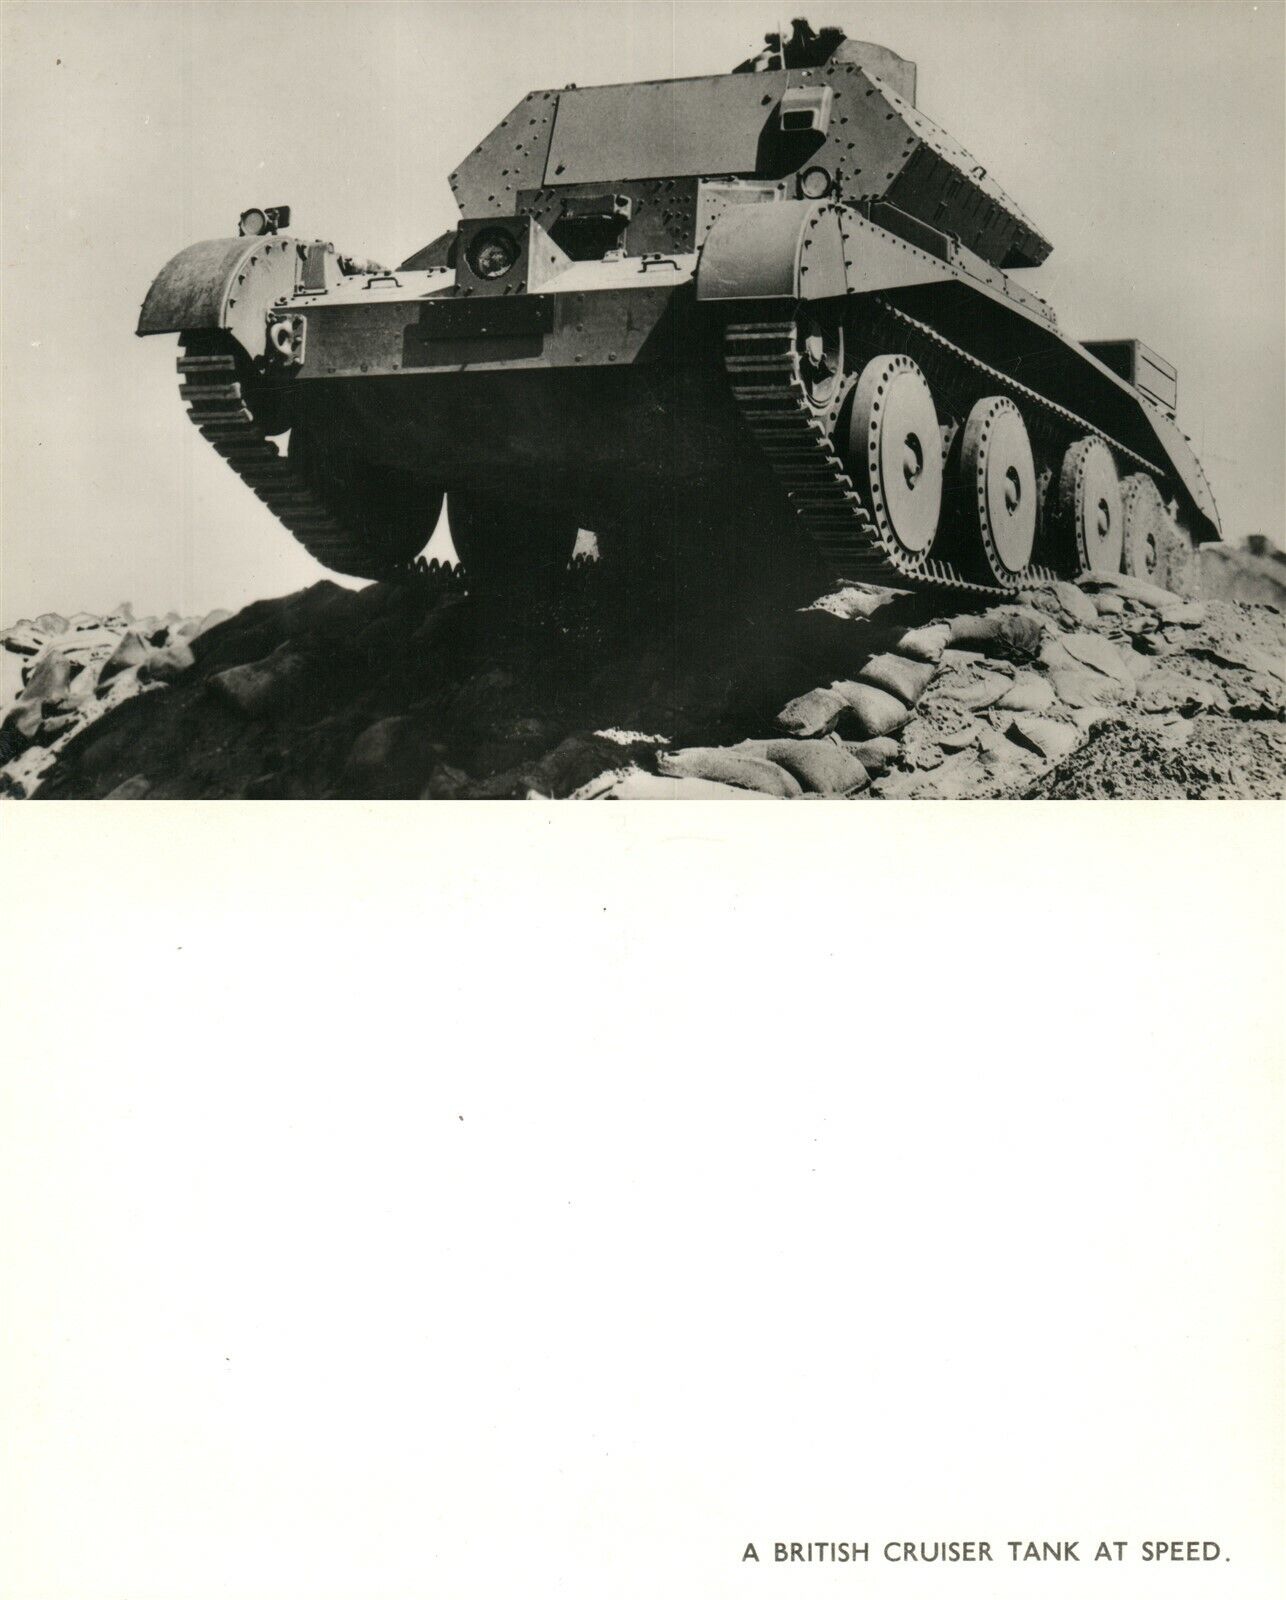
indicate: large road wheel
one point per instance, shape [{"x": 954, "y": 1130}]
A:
[
  {"x": 388, "y": 512},
  {"x": 1144, "y": 520},
  {"x": 894, "y": 451},
  {"x": 998, "y": 484},
  {"x": 1179, "y": 566},
  {"x": 511, "y": 551},
  {"x": 1089, "y": 501}
]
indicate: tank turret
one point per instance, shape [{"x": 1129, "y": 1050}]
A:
[{"x": 844, "y": 127}]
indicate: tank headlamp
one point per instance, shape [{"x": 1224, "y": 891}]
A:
[
  {"x": 492, "y": 253},
  {"x": 259, "y": 220}
]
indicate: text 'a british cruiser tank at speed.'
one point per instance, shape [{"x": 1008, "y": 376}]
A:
[{"x": 690, "y": 315}]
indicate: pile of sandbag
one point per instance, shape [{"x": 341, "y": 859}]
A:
[{"x": 982, "y": 703}]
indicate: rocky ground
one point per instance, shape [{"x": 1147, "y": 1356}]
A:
[
  {"x": 1108, "y": 688},
  {"x": 60, "y": 674}
]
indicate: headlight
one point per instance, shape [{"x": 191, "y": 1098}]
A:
[{"x": 492, "y": 253}]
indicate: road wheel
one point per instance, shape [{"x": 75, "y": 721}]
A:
[
  {"x": 1089, "y": 500},
  {"x": 388, "y": 512},
  {"x": 894, "y": 451},
  {"x": 1144, "y": 516},
  {"x": 998, "y": 488}
]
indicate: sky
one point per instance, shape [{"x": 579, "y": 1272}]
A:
[{"x": 1144, "y": 139}]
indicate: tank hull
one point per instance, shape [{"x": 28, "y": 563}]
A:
[
  {"x": 662, "y": 316},
  {"x": 629, "y": 442},
  {"x": 611, "y": 447}
]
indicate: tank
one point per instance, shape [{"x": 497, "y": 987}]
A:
[{"x": 776, "y": 309}]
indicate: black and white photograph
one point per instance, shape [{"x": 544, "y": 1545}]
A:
[
  {"x": 542, "y": 400},
  {"x": 643, "y": 401}
]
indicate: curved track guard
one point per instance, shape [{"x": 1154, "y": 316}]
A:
[
  {"x": 782, "y": 250},
  {"x": 808, "y": 250},
  {"x": 221, "y": 283}
]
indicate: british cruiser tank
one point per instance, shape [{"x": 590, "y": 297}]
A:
[{"x": 775, "y": 305}]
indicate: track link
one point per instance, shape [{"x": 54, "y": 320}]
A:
[
  {"x": 762, "y": 364},
  {"x": 763, "y": 369},
  {"x": 211, "y": 387}
]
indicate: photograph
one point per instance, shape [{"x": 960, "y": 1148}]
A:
[
  {"x": 642, "y": 400},
  {"x": 390, "y": 417}
]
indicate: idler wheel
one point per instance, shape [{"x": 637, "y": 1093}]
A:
[
  {"x": 1089, "y": 500},
  {"x": 998, "y": 479},
  {"x": 509, "y": 551},
  {"x": 895, "y": 452},
  {"x": 1145, "y": 522}
]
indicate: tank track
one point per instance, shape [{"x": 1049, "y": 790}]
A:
[
  {"x": 210, "y": 385},
  {"x": 939, "y": 359},
  {"x": 762, "y": 365}
]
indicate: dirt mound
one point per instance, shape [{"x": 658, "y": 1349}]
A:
[
  {"x": 1110, "y": 687},
  {"x": 1254, "y": 574},
  {"x": 1194, "y": 759}
]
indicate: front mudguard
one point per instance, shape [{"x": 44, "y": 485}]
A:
[
  {"x": 782, "y": 250},
  {"x": 806, "y": 250},
  {"x": 222, "y": 283}
]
